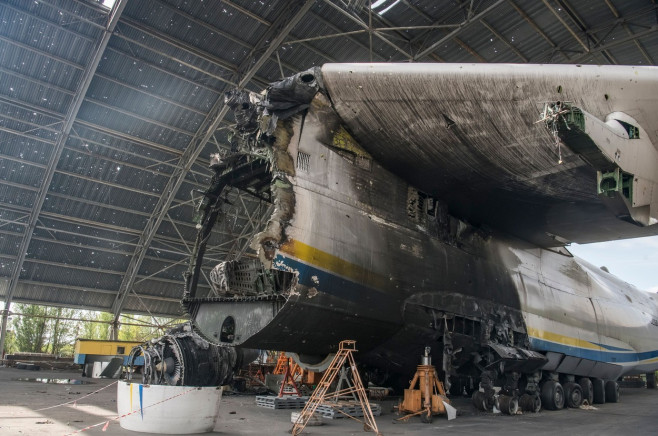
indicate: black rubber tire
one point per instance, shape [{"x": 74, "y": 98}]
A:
[
  {"x": 552, "y": 395},
  {"x": 508, "y": 405},
  {"x": 479, "y": 401},
  {"x": 599, "y": 390},
  {"x": 526, "y": 402},
  {"x": 611, "y": 391},
  {"x": 530, "y": 403},
  {"x": 588, "y": 390},
  {"x": 573, "y": 395}
]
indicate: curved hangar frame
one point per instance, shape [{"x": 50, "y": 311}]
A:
[{"x": 428, "y": 205}]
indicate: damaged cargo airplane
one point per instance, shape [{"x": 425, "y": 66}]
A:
[{"x": 429, "y": 205}]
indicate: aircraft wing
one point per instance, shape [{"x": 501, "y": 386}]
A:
[{"x": 468, "y": 134}]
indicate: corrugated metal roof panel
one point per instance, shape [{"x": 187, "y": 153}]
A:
[
  {"x": 228, "y": 18},
  {"x": 158, "y": 76},
  {"x": 45, "y": 38},
  {"x": 186, "y": 29},
  {"x": 137, "y": 305},
  {"x": 6, "y": 267},
  {"x": 53, "y": 251},
  {"x": 62, "y": 274},
  {"x": 97, "y": 190},
  {"x": 84, "y": 232},
  {"x": 151, "y": 107},
  {"x": 9, "y": 243},
  {"x": 142, "y": 45},
  {"x": 97, "y": 140},
  {"x": 73, "y": 15},
  {"x": 131, "y": 126},
  {"x": 32, "y": 292},
  {"x": 17, "y": 88}
]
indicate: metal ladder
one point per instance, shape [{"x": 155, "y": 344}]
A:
[{"x": 321, "y": 395}]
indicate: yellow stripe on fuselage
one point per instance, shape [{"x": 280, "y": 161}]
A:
[
  {"x": 564, "y": 340},
  {"x": 336, "y": 265}
]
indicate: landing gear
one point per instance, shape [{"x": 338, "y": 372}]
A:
[
  {"x": 588, "y": 390},
  {"x": 573, "y": 395},
  {"x": 508, "y": 405},
  {"x": 552, "y": 395},
  {"x": 599, "y": 391},
  {"x": 482, "y": 402},
  {"x": 612, "y": 391},
  {"x": 530, "y": 403}
]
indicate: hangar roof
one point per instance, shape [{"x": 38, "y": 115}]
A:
[{"x": 108, "y": 115}]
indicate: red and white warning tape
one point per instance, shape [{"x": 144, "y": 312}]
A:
[
  {"x": 78, "y": 399},
  {"x": 107, "y": 422}
]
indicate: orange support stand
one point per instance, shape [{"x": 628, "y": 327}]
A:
[
  {"x": 321, "y": 394},
  {"x": 288, "y": 379},
  {"x": 426, "y": 400}
]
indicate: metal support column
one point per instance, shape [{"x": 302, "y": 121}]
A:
[
  {"x": 114, "y": 330},
  {"x": 5, "y": 317}
]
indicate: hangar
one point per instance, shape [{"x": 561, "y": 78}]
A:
[{"x": 110, "y": 113}]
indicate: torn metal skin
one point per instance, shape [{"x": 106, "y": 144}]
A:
[
  {"x": 330, "y": 295},
  {"x": 351, "y": 251}
]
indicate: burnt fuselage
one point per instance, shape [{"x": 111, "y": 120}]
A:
[{"x": 350, "y": 251}]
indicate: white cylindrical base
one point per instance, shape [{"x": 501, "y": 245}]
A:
[{"x": 167, "y": 409}]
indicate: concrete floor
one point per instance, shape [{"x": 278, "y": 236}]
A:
[{"x": 20, "y": 401}]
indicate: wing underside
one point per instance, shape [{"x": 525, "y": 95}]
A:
[{"x": 468, "y": 135}]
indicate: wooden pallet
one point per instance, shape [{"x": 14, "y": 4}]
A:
[
  {"x": 354, "y": 409},
  {"x": 287, "y": 402}
]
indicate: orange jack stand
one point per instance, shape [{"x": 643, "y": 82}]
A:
[
  {"x": 426, "y": 400},
  {"x": 288, "y": 379}
]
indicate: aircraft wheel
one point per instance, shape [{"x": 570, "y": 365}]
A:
[
  {"x": 599, "y": 391},
  {"x": 479, "y": 401},
  {"x": 588, "y": 390},
  {"x": 508, "y": 405},
  {"x": 573, "y": 395},
  {"x": 526, "y": 402},
  {"x": 552, "y": 395},
  {"x": 611, "y": 391}
]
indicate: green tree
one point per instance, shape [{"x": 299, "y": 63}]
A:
[
  {"x": 96, "y": 330},
  {"x": 152, "y": 327},
  {"x": 31, "y": 328},
  {"x": 61, "y": 330},
  {"x": 10, "y": 342}
]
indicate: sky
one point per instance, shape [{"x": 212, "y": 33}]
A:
[{"x": 632, "y": 260}]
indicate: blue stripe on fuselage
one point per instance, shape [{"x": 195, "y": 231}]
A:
[
  {"x": 327, "y": 282},
  {"x": 597, "y": 355}
]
